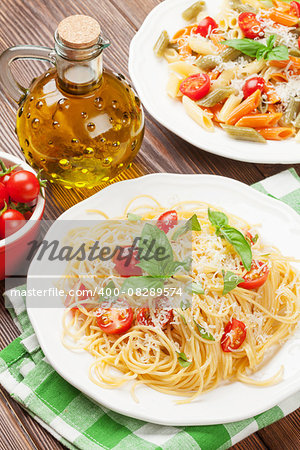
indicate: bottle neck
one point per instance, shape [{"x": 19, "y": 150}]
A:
[{"x": 79, "y": 70}]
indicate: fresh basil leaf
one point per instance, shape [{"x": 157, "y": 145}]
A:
[
  {"x": 247, "y": 46},
  {"x": 240, "y": 244},
  {"x": 280, "y": 53},
  {"x": 261, "y": 53},
  {"x": 152, "y": 241},
  {"x": 191, "y": 224},
  {"x": 171, "y": 267},
  {"x": 217, "y": 218},
  {"x": 182, "y": 359},
  {"x": 142, "y": 282},
  {"x": 108, "y": 292},
  {"x": 195, "y": 288},
  {"x": 231, "y": 281},
  {"x": 203, "y": 333},
  {"x": 183, "y": 318},
  {"x": 133, "y": 217},
  {"x": 271, "y": 41}
]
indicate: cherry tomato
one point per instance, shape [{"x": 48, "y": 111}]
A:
[
  {"x": 27, "y": 215},
  {"x": 252, "y": 85},
  {"x": 162, "y": 313},
  {"x": 196, "y": 86},
  {"x": 5, "y": 178},
  {"x": 126, "y": 261},
  {"x": 234, "y": 335},
  {"x": 256, "y": 277},
  {"x": 23, "y": 186},
  {"x": 167, "y": 221},
  {"x": 3, "y": 195},
  {"x": 295, "y": 8},
  {"x": 114, "y": 320},
  {"x": 83, "y": 295},
  {"x": 11, "y": 221},
  {"x": 250, "y": 26},
  {"x": 206, "y": 26}
]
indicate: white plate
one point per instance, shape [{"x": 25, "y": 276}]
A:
[
  {"x": 229, "y": 402},
  {"x": 150, "y": 75}
]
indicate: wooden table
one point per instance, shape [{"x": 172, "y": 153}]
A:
[{"x": 33, "y": 22}]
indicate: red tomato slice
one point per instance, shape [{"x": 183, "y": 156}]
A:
[
  {"x": 82, "y": 296},
  {"x": 206, "y": 26},
  {"x": 11, "y": 221},
  {"x": 114, "y": 320},
  {"x": 3, "y": 195},
  {"x": 234, "y": 335},
  {"x": 196, "y": 86},
  {"x": 295, "y": 8},
  {"x": 126, "y": 261},
  {"x": 162, "y": 313},
  {"x": 252, "y": 85},
  {"x": 167, "y": 221},
  {"x": 256, "y": 277},
  {"x": 250, "y": 26}
]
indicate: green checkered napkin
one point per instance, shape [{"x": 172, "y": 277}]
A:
[{"x": 77, "y": 422}]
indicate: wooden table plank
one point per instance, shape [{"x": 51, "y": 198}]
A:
[{"x": 161, "y": 152}]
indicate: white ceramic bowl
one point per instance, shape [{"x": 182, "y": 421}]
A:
[{"x": 13, "y": 249}]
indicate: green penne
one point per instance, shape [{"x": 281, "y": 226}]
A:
[
  {"x": 191, "y": 12},
  {"x": 240, "y": 7},
  {"x": 291, "y": 111},
  {"x": 208, "y": 62},
  {"x": 243, "y": 133},
  {"x": 161, "y": 44},
  {"x": 297, "y": 121},
  {"x": 215, "y": 97},
  {"x": 230, "y": 54}
]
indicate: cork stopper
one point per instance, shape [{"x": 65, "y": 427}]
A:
[{"x": 79, "y": 31}]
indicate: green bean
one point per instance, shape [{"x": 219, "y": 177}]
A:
[
  {"x": 191, "y": 12},
  {"x": 208, "y": 62},
  {"x": 244, "y": 133},
  {"x": 161, "y": 44},
  {"x": 240, "y": 7},
  {"x": 215, "y": 97},
  {"x": 230, "y": 54},
  {"x": 297, "y": 121},
  {"x": 291, "y": 111}
]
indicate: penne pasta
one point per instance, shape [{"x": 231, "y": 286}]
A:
[
  {"x": 237, "y": 83},
  {"x": 184, "y": 68},
  {"x": 202, "y": 46},
  {"x": 247, "y": 106},
  {"x": 173, "y": 84},
  {"x": 243, "y": 133},
  {"x": 259, "y": 120},
  {"x": 231, "y": 103},
  {"x": 197, "y": 114},
  {"x": 276, "y": 133}
]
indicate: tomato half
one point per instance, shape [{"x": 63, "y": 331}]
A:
[
  {"x": 126, "y": 260},
  {"x": 167, "y": 221},
  {"x": 23, "y": 186},
  {"x": 295, "y": 8},
  {"x": 206, "y": 26},
  {"x": 234, "y": 335},
  {"x": 256, "y": 277},
  {"x": 250, "y": 26},
  {"x": 252, "y": 85},
  {"x": 3, "y": 195},
  {"x": 162, "y": 313},
  {"x": 11, "y": 221},
  {"x": 196, "y": 86},
  {"x": 114, "y": 320}
]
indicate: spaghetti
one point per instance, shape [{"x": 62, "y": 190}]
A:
[{"x": 236, "y": 317}]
